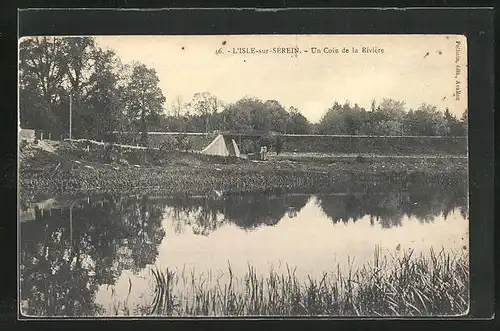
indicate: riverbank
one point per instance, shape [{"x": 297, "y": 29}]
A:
[
  {"x": 306, "y": 143},
  {"x": 68, "y": 169}
]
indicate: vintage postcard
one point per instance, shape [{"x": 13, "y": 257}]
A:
[{"x": 243, "y": 175}]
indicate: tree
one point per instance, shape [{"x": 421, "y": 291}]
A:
[
  {"x": 41, "y": 78},
  {"x": 387, "y": 119},
  {"x": 79, "y": 65},
  {"x": 464, "y": 120},
  {"x": 259, "y": 119},
  {"x": 206, "y": 105},
  {"x": 330, "y": 121},
  {"x": 54, "y": 68},
  {"x": 297, "y": 122},
  {"x": 273, "y": 116},
  {"x": 144, "y": 100},
  {"x": 454, "y": 125},
  {"x": 391, "y": 109},
  {"x": 254, "y": 114},
  {"x": 103, "y": 101},
  {"x": 34, "y": 112},
  {"x": 239, "y": 115},
  {"x": 178, "y": 107},
  {"x": 425, "y": 121},
  {"x": 343, "y": 119}
]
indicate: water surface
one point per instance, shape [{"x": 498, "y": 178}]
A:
[{"x": 85, "y": 256}]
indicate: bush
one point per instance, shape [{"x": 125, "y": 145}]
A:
[
  {"x": 108, "y": 152},
  {"x": 267, "y": 140},
  {"x": 169, "y": 144},
  {"x": 360, "y": 159},
  {"x": 248, "y": 146},
  {"x": 183, "y": 143}
]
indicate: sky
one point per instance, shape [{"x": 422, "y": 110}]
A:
[{"x": 415, "y": 69}]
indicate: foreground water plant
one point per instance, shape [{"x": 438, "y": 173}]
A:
[{"x": 434, "y": 284}]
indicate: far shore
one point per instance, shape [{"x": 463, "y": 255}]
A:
[{"x": 69, "y": 171}]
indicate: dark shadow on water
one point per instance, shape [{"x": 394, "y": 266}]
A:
[
  {"x": 206, "y": 214},
  {"x": 387, "y": 202}
]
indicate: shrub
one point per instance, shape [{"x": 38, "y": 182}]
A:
[
  {"x": 360, "y": 159},
  {"x": 183, "y": 143},
  {"x": 169, "y": 144},
  {"x": 267, "y": 140},
  {"x": 247, "y": 146}
]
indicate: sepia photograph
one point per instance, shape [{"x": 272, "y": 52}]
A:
[{"x": 243, "y": 176}]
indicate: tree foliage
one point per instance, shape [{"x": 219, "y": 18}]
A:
[
  {"x": 144, "y": 100},
  {"x": 390, "y": 118},
  {"x": 109, "y": 97},
  {"x": 207, "y": 106},
  {"x": 106, "y": 96}
]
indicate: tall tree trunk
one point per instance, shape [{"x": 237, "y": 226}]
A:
[{"x": 144, "y": 133}]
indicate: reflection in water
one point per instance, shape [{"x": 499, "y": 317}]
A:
[
  {"x": 388, "y": 202},
  {"x": 70, "y": 248},
  {"x": 67, "y": 253},
  {"x": 205, "y": 214}
]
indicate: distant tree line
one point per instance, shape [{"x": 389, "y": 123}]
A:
[
  {"x": 391, "y": 118},
  {"x": 206, "y": 113},
  {"x": 109, "y": 97}
]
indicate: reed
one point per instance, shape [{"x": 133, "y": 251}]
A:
[{"x": 405, "y": 285}]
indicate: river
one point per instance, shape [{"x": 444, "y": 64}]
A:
[{"x": 92, "y": 255}]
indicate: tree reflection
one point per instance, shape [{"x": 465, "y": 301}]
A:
[
  {"x": 387, "y": 202},
  {"x": 66, "y": 254},
  {"x": 204, "y": 214},
  {"x": 250, "y": 211}
]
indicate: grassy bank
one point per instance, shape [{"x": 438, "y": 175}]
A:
[
  {"x": 402, "y": 145},
  {"x": 377, "y": 145},
  {"x": 69, "y": 169},
  {"x": 400, "y": 285}
]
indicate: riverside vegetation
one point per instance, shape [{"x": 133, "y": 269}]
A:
[{"x": 434, "y": 284}]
